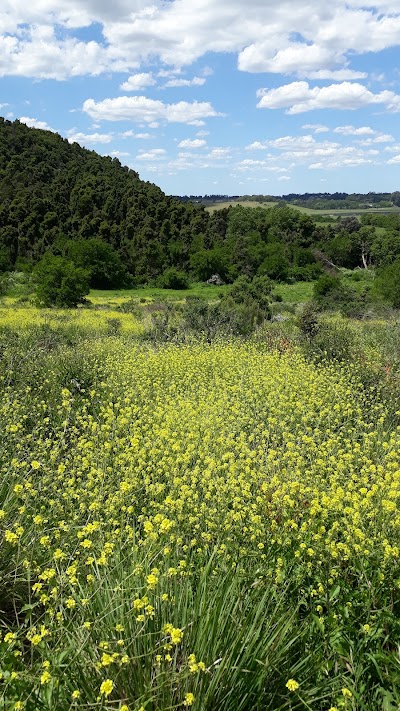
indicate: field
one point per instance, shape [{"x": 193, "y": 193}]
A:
[
  {"x": 306, "y": 210},
  {"x": 199, "y": 525}
]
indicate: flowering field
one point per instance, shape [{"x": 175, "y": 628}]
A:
[{"x": 205, "y": 526}]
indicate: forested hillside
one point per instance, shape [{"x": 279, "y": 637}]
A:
[
  {"x": 60, "y": 198},
  {"x": 51, "y": 190}
]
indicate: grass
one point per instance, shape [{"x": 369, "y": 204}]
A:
[
  {"x": 306, "y": 210},
  {"x": 212, "y": 526},
  {"x": 117, "y": 297},
  {"x": 291, "y": 293}
]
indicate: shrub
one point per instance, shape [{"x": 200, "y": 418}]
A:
[
  {"x": 60, "y": 282},
  {"x": 387, "y": 284},
  {"x": 174, "y": 279},
  {"x": 330, "y": 292}
]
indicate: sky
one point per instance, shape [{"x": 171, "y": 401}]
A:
[{"x": 209, "y": 96}]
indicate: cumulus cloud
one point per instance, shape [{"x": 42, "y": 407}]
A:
[
  {"x": 192, "y": 143},
  {"x": 140, "y": 108},
  {"x": 307, "y": 151},
  {"x": 316, "y": 127},
  {"x": 256, "y": 146},
  {"x": 196, "y": 81},
  {"x": 138, "y": 81},
  {"x": 353, "y": 131},
  {"x": 178, "y": 32},
  {"x": 299, "y": 97},
  {"x": 39, "y": 53},
  {"x": 394, "y": 161},
  {"x": 89, "y": 138},
  {"x": 152, "y": 154},
  {"x": 35, "y": 123},
  {"x": 132, "y": 134}
]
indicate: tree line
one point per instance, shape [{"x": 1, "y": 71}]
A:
[{"x": 62, "y": 202}]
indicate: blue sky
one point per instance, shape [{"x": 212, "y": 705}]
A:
[{"x": 205, "y": 96}]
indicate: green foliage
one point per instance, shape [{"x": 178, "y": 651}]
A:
[
  {"x": 387, "y": 283},
  {"x": 64, "y": 199},
  {"x": 5, "y": 259},
  {"x": 207, "y": 262},
  {"x": 174, "y": 279},
  {"x": 331, "y": 291},
  {"x": 103, "y": 263},
  {"x": 275, "y": 264},
  {"x": 60, "y": 282}
]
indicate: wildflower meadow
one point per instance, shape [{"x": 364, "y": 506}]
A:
[{"x": 212, "y": 526}]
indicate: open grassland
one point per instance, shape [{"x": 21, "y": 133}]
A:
[
  {"x": 213, "y": 526},
  {"x": 306, "y": 210}
]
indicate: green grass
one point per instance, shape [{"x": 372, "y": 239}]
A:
[
  {"x": 306, "y": 210},
  {"x": 234, "y": 203},
  {"x": 150, "y": 293},
  {"x": 296, "y": 293}
]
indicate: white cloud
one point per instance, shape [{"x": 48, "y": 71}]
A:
[
  {"x": 316, "y": 127},
  {"x": 192, "y": 143},
  {"x": 383, "y": 138},
  {"x": 394, "y": 161},
  {"x": 138, "y": 81},
  {"x": 312, "y": 61},
  {"x": 299, "y": 97},
  {"x": 35, "y": 123},
  {"x": 152, "y": 154},
  {"x": 256, "y": 146},
  {"x": 284, "y": 177},
  {"x": 180, "y": 31},
  {"x": 196, "y": 81},
  {"x": 219, "y": 153},
  {"x": 39, "y": 53},
  {"x": 352, "y": 131},
  {"x": 132, "y": 134},
  {"x": 119, "y": 154},
  {"x": 293, "y": 142},
  {"x": 140, "y": 108},
  {"x": 89, "y": 138}
]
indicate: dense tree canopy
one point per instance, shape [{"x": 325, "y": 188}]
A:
[{"x": 62, "y": 199}]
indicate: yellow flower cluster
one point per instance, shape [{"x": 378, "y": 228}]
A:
[{"x": 124, "y": 492}]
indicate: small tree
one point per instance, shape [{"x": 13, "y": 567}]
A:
[
  {"x": 59, "y": 282},
  {"x": 387, "y": 283},
  {"x": 174, "y": 279}
]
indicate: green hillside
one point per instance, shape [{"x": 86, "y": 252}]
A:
[{"x": 51, "y": 190}]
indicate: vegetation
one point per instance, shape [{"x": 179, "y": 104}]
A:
[
  {"x": 179, "y": 524},
  {"x": 63, "y": 200},
  {"x": 199, "y": 503}
]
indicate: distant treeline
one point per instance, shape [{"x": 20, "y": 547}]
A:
[
  {"x": 64, "y": 200},
  {"x": 316, "y": 201}
]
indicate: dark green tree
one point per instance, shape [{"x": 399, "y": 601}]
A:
[{"x": 59, "y": 282}]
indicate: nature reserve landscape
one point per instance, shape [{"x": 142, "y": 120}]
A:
[{"x": 199, "y": 382}]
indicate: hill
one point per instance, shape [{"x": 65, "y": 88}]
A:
[
  {"x": 59, "y": 198},
  {"x": 51, "y": 191}
]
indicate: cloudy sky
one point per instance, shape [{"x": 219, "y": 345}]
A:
[{"x": 210, "y": 96}]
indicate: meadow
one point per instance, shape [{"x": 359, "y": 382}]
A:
[
  {"x": 306, "y": 210},
  {"x": 197, "y": 525}
]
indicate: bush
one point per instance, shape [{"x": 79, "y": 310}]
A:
[
  {"x": 308, "y": 321},
  {"x": 275, "y": 265},
  {"x": 59, "y": 282},
  {"x": 104, "y": 264},
  {"x": 174, "y": 279},
  {"x": 387, "y": 284},
  {"x": 330, "y": 292}
]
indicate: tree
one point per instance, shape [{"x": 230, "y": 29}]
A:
[
  {"x": 102, "y": 262},
  {"x": 275, "y": 264},
  {"x": 174, "y": 279},
  {"x": 59, "y": 282},
  {"x": 387, "y": 283}
]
